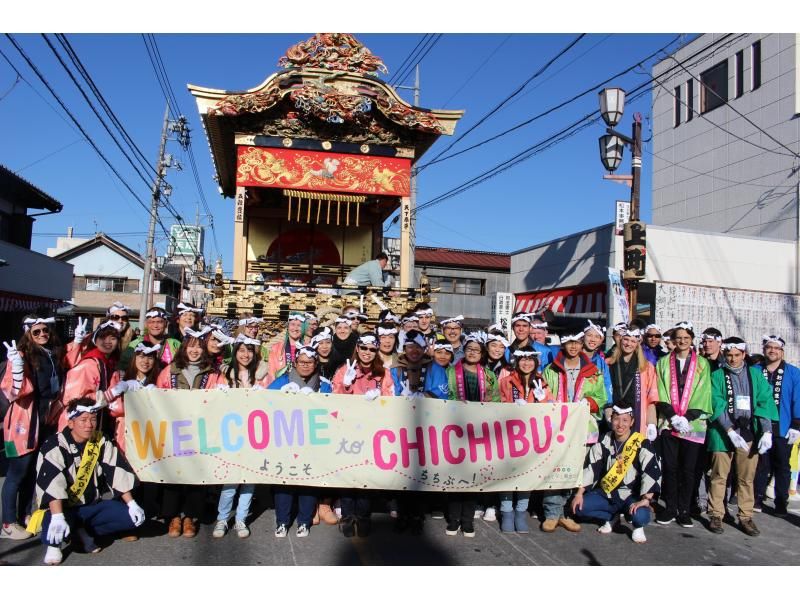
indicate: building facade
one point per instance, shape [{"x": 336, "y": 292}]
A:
[{"x": 726, "y": 135}]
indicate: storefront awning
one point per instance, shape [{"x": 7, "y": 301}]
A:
[
  {"x": 19, "y": 302},
  {"x": 583, "y": 299}
]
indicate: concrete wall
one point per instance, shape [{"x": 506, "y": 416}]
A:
[
  {"x": 704, "y": 177},
  {"x": 470, "y": 306},
  {"x": 32, "y": 273},
  {"x": 103, "y": 261}
]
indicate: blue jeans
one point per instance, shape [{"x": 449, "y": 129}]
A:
[
  {"x": 306, "y": 505},
  {"x": 19, "y": 482},
  {"x": 597, "y": 506},
  {"x": 553, "y": 503},
  {"x": 100, "y": 519},
  {"x": 226, "y": 501},
  {"x": 507, "y": 501}
]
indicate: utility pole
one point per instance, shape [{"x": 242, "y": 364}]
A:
[
  {"x": 147, "y": 283},
  {"x": 407, "y": 215}
]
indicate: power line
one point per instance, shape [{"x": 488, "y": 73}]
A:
[
  {"x": 407, "y": 58},
  {"x": 508, "y": 98},
  {"x": 477, "y": 70},
  {"x": 417, "y": 59}
]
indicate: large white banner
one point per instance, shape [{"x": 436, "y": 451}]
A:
[{"x": 271, "y": 437}]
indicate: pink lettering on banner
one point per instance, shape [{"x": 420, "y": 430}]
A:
[
  {"x": 564, "y": 416},
  {"x": 518, "y": 445},
  {"x": 447, "y": 450},
  {"x": 548, "y": 427},
  {"x": 485, "y": 440},
  {"x": 406, "y": 446},
  {"x": 433, "y": 440},
  {"x": 500, "y": 446},
  {"x": 376, "y": 449},
  {"x": 261, "y": 426}
]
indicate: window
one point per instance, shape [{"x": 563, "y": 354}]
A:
[
  {"x": 111, "y": 285},
  {"x": 677, "y": 95},
  {"x": 689, "y": 100},
  {"x": 739, "y": 59},
  {"x": 755, "y": 56},
  {"x": 714, "y": 87},
  {"x": 459, "y": 286}
]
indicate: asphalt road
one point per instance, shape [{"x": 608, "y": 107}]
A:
[{"x": 778, "y": 544}]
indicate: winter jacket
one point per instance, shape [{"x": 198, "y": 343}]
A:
[
  {"x": 434, "y": 384},
  {"x": 789, "y": 407},
  {"x": 699, "y": 407},
  {"x": 91, "y": 376},
  {"x": 276, "y": 358},
  {"x": 648, "y": 394},
  {"x": 512, "y": 388},
  {"x": 599, "y": 360},
  {"x": 363, "y": 382},
  {"x": 492, "y": 388},
  {"x": 281, "y": 381},
  {"x": 173, "y": 378}
]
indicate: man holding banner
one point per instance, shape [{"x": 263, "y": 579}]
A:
[{"x": 622, "y": 475}]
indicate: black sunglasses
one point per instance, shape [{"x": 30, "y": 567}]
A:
[
  {"x": 367, "y": 349},
  {"x": 39, "y": 331},
  {"x": 118, "y": 318}
]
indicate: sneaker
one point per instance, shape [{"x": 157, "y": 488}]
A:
[
  {"x": 684, "y": 520},
  {"x": 468, "y": 530},
  {"x": 53, "y": 556},
  {"x": 606, "y": 528},
  {"x": 549, "y": 525},
  {"x": 302, "y": 530},
  {"x": 175, "y": 527},
  {"x": 87, "y": 541},
  {"x": 241, "y": 529},
  {"x": 638, "y": 535},
  {"x": 452, "y": 529},
  {"x": 437, "y": 514},
  {"x": 478, "y": 513},
  {"x": 758, "y": 506},
  {"x": 569, "y": 524},
  {"x": 490, "y": 514},
  {"x": 665, "y": 519},
  {"x": 715, "y": 525},
  {"x": 749, "y": 527},
  {"x": 14, "y": 531},
  {"x": 220, "y": 529},
  {"x": 280, "y": 531},
  {"x": 781, "y": 510}
]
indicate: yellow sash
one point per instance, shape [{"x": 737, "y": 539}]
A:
[
  {"x": 91, "y": 454},
  {"x": 616, "y": 474}
]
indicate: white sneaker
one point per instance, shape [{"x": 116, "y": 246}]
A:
[
  {"x": 281, "y": 531},
  {"x": 241, "y": 529},
  {"x": 638, "y": 535},
  {"x": 14, "y": 531},
  {"x": 437, "y": 514},
  {"x": 770, "y": 492},
  {"x": 53, "y": 556},
  {"x": 478, "y": 513},
  {"x": 338, "y": 511},
  {"x": 490, "y": 514},
  {"x": 220, "y": 527},
  {"x": 606, "y": 528},
  {"x": 302, "y": 530},
  {"x": 394, "y": 514}
]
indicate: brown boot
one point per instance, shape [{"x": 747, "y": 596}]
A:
[
  {"x": 189, "y": 527},
  {"x": 174, "y": 530},
  {"x": 549, "y": 525},
  {"x": 569, "y": 524},
  {"x": 327, "y": 515}
]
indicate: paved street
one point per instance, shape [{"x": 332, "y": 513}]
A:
[{"x": 779, "y": 544}]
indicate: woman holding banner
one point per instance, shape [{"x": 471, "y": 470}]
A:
[
  {"x": 282, "y": 354},
  {"x": 366, "y": 376}
]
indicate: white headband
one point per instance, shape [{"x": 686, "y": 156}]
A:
[
  {"x": 308, "y": 351},
  {"x": 117, "y": 306},
  {"x": 309, "y": 316},
  {"x": 410, "y": 319},
  {"x": 246, "y": 340},
  {"x": 635, "y": 333},
  {"x": 156, "y": 314},
  {"x": 115, "y": 325},
  {"x": 741, "y": 346},
  {"x": 416, "y": 339},
  {"x": 367, "y": 339},
  {"x": 622, "y": 410},
  {"x": 521, "y": 317},
  {"x": 424, "y": 312},
  {"x": 183, "y": 308},
  {"x": 597, "y": 328},
  {"x": 540, "y": 325},
  {"x": 620, "y": 326},
  {"x": 772, "y": 338},
  {"x": 223, "y": 338},
  {"x": 571, "y": 337},
  {"x": 196, "y": 333},
  {"x": 445, "y": 346},
  {"x": 520, "y": 353},
  {"x": 496, "y": 337},
  {"x": 298, "y": 317},
  {"x": 248, "y": 321},
  {"x": 477, "y": 337},
  {"x": 652, "y": 327},
  {"x": 26, "y": 325},
  {"x": 391, "y": 318},
  {"x": 83, "y": 409},
  {"x": 325, "y": 335},
  {"x": 710, "y": 337},
  {"x": 386, "y": 331},
  {"x": 342, "y": 320},
  {"x": 145, "y": 350},
  {"x": 686, "y": 325},
  {"x": 456, "y": 320}
]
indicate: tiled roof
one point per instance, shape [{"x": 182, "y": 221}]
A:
[{"x": 479, "y": 260}]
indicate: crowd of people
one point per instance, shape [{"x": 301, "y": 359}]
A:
[{"x": 675, "y": 429}]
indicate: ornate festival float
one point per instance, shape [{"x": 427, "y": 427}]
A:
[{"x": 317, "y": 158}]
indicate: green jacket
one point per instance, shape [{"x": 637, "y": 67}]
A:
[
  {"x": 699, "y": 399},
  {"x": 763, "y": 406},
  {"x": 492, "y": 387}
]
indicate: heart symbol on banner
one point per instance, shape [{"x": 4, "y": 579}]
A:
[
  {"x": 295, "y": 455},
  {"x": 335, "y": 414}
]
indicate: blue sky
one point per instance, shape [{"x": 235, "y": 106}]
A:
[{"x": 557, "y": 192}]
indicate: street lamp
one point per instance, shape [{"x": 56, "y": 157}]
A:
[
  {"x": 611, "y": 148},
  {"x": 612, "y": 104}
]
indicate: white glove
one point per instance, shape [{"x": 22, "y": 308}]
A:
[
  {"x": 737, "y": 440},
  {"x": 372, "y": 394},
  {"x": 350, "y": 373},
  {"x": 150, "y": 386},
  {"x": 404, "y": 390},
  {"x": 652, "y": 432},
  {"x": 520, "y": 401},
  {"x": 100, "y": 401},
  {"x": 136, "y": 513},
  {"x": 80, "y": 330},
  {"x": 292, "y": 387},
  {"x": 792, "y": 436},
  {"x": 258, "y": 387},
  {"x": 323, "y": 379},
  {"x": 680, "y": 424},
  {"x": 222, "y": 387},
  {"x": 119, "y": 388},
  {"x": 765, "y": 443},
  {"x": 417, "y": 395},
  {"x": 307, "y": 390},
  {"x": 538, "y": 390},
  {"x": 14, "y": 358},
  {"x": 58, "y": 530}
]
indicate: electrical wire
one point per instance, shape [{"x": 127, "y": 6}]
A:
[
  {"x": 477, "y": 70},
  {"x": 417, "y": 59},
  {"x": 393, "y": 78}
]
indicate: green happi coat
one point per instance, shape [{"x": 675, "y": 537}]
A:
[
  {"x": 700, "y": 398},
  {"x": 762, "y": 404},
  {"x": 492, "y": 387}
]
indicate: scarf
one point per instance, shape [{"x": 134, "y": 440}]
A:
[
  {"x": 680, "y": 401},
  {"x": 313, "y": 381},
  {"x": 776, "y": 383},
  {"x": 461, "y": 384}
]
